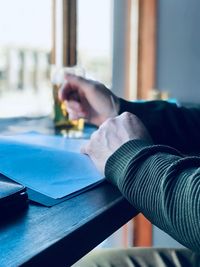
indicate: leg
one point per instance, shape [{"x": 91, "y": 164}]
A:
[{"x": 140, "y": 257}]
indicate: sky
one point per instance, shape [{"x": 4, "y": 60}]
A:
[
  {"x": 22, "y": 23},
  {"x": 95, "y": 22}
]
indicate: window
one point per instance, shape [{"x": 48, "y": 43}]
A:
[
  {"x": 107, "y": 37},
  {"x": 25, "y": 45},
  {"x": 94, "y": 38}
]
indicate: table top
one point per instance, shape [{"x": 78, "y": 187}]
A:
[{"x": 60, "y": 235}]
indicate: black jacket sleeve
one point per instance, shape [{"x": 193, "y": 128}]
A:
[
  {"x": 168, "y": 124},
  {"x": 162, "y": 184}
]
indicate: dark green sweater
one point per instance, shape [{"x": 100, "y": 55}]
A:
[{"x": 160, "y": 181}]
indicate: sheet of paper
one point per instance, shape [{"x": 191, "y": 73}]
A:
[
  {"x": 54, "y": 141},
  {"x": 47, "y": 164}
]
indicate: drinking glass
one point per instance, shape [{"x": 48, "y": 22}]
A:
[{"x": 61, "y": 117}]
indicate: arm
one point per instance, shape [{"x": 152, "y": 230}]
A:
[
  {"x": 168, "y": 124},
  {"x": 158, "y": 180},
  {"x": 163, "y": 185}
]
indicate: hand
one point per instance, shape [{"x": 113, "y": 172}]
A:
[
  {"x": 111, "y": 135},
  {"x": 88, "y": 99}
]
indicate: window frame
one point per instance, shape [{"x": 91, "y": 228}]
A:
[{"x": 64, "y": 37}]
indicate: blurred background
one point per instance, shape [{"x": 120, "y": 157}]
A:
[{"x": 26, "y": 45}]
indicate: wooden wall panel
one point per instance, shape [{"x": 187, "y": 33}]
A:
[
  {"x": 146, "y": 82},
  {"x": 147, "y": 47}
]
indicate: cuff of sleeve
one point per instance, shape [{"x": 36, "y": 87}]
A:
[
  {"x": 122, "y": 105},
  {"x": 118, "y": 162}
]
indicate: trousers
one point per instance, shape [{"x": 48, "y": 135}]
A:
[{"x": 140, "y": 257}]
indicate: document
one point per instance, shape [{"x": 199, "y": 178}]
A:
[{"x": 51, "y": 167}]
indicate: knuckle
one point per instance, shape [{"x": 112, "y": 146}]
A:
[
  {"x": 108, "y": 122},
  {"x": 129, "y": 116},
  {"x": 126, "y": 114}
]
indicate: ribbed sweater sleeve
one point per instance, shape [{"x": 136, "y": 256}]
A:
[
  {"x": 162, "y": 184},
  {"x": 168, "y": 124}
]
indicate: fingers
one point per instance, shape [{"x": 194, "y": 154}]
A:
[
  {"x": 72, "y": 88},
  {"x": 75, "y": 110},
  {"x": 88, "y": 148},
  {"x": 72, "y": 92},
  {"x": 67, "y": 92},
  {"x": 75, "y": 116},
  {"x": 73, "y": 105}
]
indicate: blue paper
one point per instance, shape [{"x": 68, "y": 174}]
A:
[{"x": 47, "y": 164}]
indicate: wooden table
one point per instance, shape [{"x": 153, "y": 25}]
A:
[{"x": 62, "y": 234}]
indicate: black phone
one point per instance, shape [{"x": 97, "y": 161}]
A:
[{"x": 13, "y": 196}]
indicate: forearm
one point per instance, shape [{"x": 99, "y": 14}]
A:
[
  {"x": 161, "y": 184},
  {"x": 168, "y": 124}
]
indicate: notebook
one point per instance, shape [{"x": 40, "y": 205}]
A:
[{"x": 50, "y": 167}]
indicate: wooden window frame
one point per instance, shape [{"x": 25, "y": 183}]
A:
[
  {"x": 146, "y": 47},
  {"x": 67, "y": 41}
]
